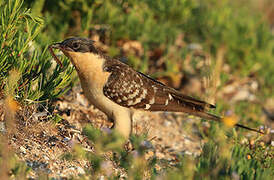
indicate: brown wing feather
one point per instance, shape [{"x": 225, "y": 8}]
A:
[
  {"x": 177, "y": 101},
  {"x": 137, "y": 90},
  {"x": 178, "y": 94}
]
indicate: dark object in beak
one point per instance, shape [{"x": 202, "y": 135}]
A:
[{"x": 56, "y": 46}]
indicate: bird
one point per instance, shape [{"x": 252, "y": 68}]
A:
[{"x": 118, "y": 90}]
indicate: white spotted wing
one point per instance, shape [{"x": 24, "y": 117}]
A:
[{"x": 133, "y": 89}]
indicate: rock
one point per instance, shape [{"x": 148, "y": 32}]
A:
[
  {"x": 82, "y": 100},
  {"x": 23, "y": 150},
  {"x": 147, "y": 144},
  {"x": 80, "y": 170},
  {"x": 2, "y": 127},
  {"x": 46, "y": 157},
  {"x": 167, "y": 123}
]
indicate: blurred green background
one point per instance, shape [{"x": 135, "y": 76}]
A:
[
  {"x": 167, "y": 33},
  {"x": 167, "y": 39}
]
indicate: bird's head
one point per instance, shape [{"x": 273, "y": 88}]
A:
[
  {"x": 79, "y": 50},
  {"x": 76, "y": 45}
]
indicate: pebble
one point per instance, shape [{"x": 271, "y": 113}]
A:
[
  {"x": 101, "y": 177},
  {"x": 46, "y": 157},
  {"x": 80, "y": 170},
  {"x": 23, "y": 150},
  {"x": 188, "y": 153},
  {"x": 187, "y": 141},
  {"x": 194, "y": 46},
  {"x": 147, "y": 144},
  {"x": 82, "y": 100},
  {"x": 241, "y": 95},
  {"x": 254, "y": 85},
  {"x": 167, "y": 123},
  {"x": 67, "y": 139},
  {"x": 39, "y": 114},
  {"x": 2, "y": 127}
]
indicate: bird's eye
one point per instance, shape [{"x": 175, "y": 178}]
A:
[{"x": 75, "y": 45}]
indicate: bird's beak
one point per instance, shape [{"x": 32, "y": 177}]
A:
[
  {"x": 57, "y": 46},
  {"x": 61, "y": 46}
]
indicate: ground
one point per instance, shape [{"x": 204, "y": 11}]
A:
[{"x": 43, "y": 144}]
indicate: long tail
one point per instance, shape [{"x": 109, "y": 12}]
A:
[{"x": 208, "y": 116}]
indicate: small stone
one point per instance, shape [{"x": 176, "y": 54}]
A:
[
  {"x": 82, "y": 100},
  {"x": 187, "y": 141},
  {"x": 147, "y": 144},
  {"x": 80, "y": 170},
  {"x": 101, "y": 177},
  {"x": 23, "y": 150},
  {"x": 254, "y": 85},
  {"x": 188, "y": 153},
  {"x": 2, "y": 127},
  {"x": 46, "y": 157},
  {"x": 243, "y": 95},
  {"x": 194, "y": 47},
  {"x": 167, "y": 123},
  {"x": 30, "y": 164},
  {"x": 66, "y": 139},
  {"x": 39, "y": 114}
]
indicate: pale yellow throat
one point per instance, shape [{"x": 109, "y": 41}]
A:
[{"x": 90, "y": 68}]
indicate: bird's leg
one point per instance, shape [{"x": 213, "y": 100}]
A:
[{"x": 122, "y": 123}]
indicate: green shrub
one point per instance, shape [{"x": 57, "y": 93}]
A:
[{"x": 39, "y": 80}]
